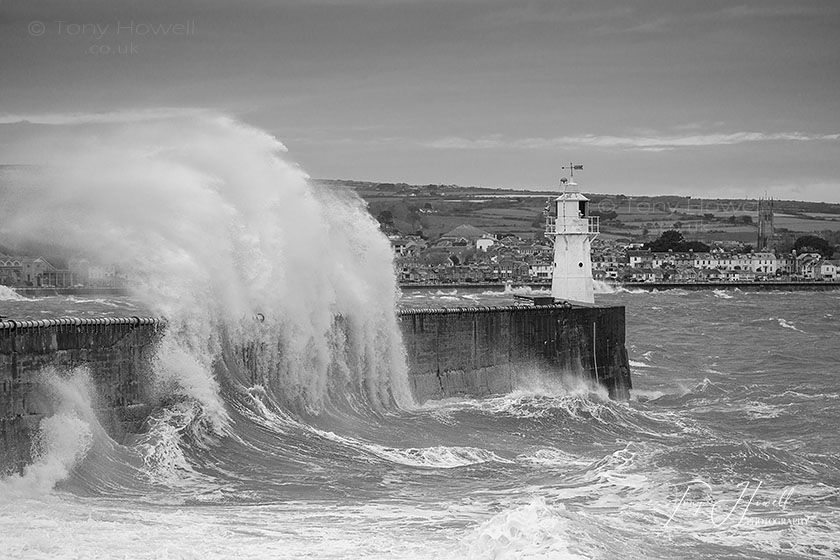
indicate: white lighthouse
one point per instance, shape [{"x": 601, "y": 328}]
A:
[{"x": 573, "y": 230}]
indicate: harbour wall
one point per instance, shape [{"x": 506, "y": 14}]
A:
[
  {"x": 118, "y": 353},
  {"x": 475, "y": 351},
  {"x": 478, "y": 351}
]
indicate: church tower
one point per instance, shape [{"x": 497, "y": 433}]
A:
[
  {"x": 573, "y": 230},
  {"x": 765, "y": 225}
]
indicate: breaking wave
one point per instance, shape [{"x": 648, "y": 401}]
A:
[
  {"x": 62, "y": 439},
  {"x": 602, "y": 287},
  {"x": 264, "y": 279},
  {"x": 8, "y": 294},
  {"x": 209, "y": 242}
]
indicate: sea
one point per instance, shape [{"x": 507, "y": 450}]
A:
[{"x": 729, "y": 446}]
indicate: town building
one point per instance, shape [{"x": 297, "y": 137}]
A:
[
  {"x": 28, "y": 271},
  {"x": 466, "y": 234}
]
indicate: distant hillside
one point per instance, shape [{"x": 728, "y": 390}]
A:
[{"x": 435, "y": 209}]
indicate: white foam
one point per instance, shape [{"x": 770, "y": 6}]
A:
[
  {"x": 636, "y": 364},
  {"x": 441, "y": 457},
  {"x": 551, "y": 458},
  {"x": 534, "y": 530},
  {"x": 102, "y": 301},
  {"x": 635, "y": 290},
  {"x": 160, "y": 447},
  {"x": 63, "y": 438},
  {"x": 707, "y": 385},
  {"x": 783, "y": 323},
  {"x": 761, "y": 410},
  {"x": 8, "y": 294},
  {"x": 602, "y": 287},
  {"x": 523, "y": 291}
]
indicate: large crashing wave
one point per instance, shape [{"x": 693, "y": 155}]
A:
[{"x": 213, "y": 227}]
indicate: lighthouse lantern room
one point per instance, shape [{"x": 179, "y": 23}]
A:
[{"x": 572, "y": 229}]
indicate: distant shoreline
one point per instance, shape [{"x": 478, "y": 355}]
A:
[
  {"x": 77, "y": 291},
  {"x": 764, "y": 286},
  {"x": 648, "y": 286}
]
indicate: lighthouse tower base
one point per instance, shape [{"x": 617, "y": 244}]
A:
[{"x": 572, "y": 277}]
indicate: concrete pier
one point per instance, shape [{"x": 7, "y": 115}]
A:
[
  {"x": 478, "y": 351},
  {"x": 472, "y": 351}
]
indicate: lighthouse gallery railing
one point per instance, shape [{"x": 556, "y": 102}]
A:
[{"x": 593, "y": 226}]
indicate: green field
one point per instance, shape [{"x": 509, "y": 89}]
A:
[{"x": 436, "y": 209}]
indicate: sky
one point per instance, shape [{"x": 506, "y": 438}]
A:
[{"x": 702, "y": 98}]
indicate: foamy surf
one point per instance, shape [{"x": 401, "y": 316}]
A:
[
  {"x": 438, "y": 457},
  {"x": 62, "y": 440},
  {"x": 785, "y": 324},
  {"x": 9, "y": 294},
  {"x": 534, "y": 530},
  {"x": 552, "y": 458},
  {"x": 638, "y": 364}
]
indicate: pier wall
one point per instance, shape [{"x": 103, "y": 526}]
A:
[
  {"x": 116, "y": 351},
  {"x": 474, "y": 351},
  {"x": 478, "y": 351}
]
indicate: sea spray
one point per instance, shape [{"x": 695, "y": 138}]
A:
[
  {"x": 63, "y": 437},
  {"x": 212, "y": 228},
  {"x": 534, "y": 530},
  {"x": 602, "y": 287},
  {"x": 161, "y": 446},
  {"x": 8, "y": 294}
]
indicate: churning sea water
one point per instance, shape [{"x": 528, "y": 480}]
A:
[{"x": 727, "y": 448}]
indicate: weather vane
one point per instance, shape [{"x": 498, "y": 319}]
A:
[{"x": 572, "y": 167}]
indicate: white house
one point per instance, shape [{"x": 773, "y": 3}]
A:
[
  {"x": 828, "y": 270},
  {"x": 764, "y": 263},
  {"x": 485, "y": 242}
]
